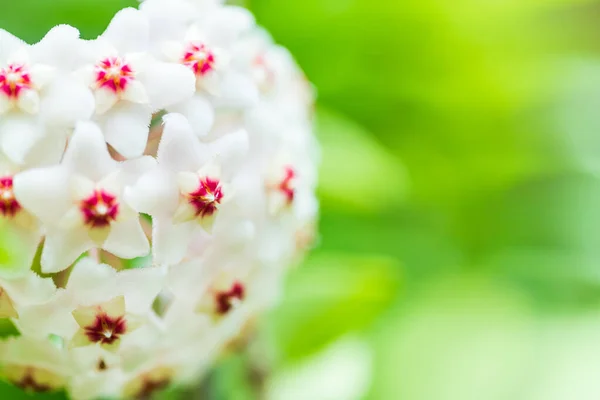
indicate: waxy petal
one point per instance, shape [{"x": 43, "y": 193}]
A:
[
  {"x": 168, "y": 84},
  {"x": 155, "y": 193},
  {"x": 9, "y": 44},
  {"x": 200, "y": 113},
  {"x": 127, "y": 239},
  {"x": 179, "y": 149},
  {"x": 62, "y": 248},
  {"x": 65, "y": 102},
  {"x": 29, "y": 101},
  {"x": 60, "y": 47},
  {"x": 171, "y": 241},
  {"x": 44, "y": 192},
  {"x": 129, "y": 31},
  {"x": 136, "y": 93},
  {"x": 87, "y": 154},
  {"x": 126, "y": 128}
]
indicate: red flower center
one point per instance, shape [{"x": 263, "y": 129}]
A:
[
  {"x": 287, "y": 185},
  {"x": 106, "y": 330},
  {"x": 14, "y": 79},
  {"x": 114, "y": 73},
  {"x": 199, "y": 58},
  {"x": 29, "y": 384},
  {"x": 9, "y": 206},
  {"x": 100, "y": 209},
  {"x": 225, "y": 301},
  {"x": 207, "y": 197},
  {"x": 152, "y": 386}
]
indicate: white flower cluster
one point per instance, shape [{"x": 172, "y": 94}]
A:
[{"x": 160, "y": 180}]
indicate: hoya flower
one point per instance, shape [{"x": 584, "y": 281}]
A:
[
  {"x": 204, "y": 47},
  {"x": 129, "y": 84},
  {"x": 160, "y": 245},
  {"x": 99, "y": 306},
  {"x": 80, "y": 202},
  {"x": 185, "y": 193},
  {"x": 35, "y": 365},
  {"x": 39, "y": 94}
]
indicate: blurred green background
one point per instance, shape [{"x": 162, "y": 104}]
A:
[{"x": 459, "y": 255}]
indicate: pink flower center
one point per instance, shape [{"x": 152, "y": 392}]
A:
[
  {"x": 114, "y": 73},
  {"x": 14, "y": 79},
  {"x": 226, "y": 300},
  {"x": 100, "y": 209},
  {"x": 207, "y": 197},
  {"x": 9, "y": 206},
  {"x": 199, "y": 58},
  {"x": 106, "y": 330},
  {"x": 287, "y": 185}
]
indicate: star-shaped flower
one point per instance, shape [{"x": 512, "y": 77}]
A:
[
  {"x": 39, "y": 94},
  {"x": 205, "y": 49},
  {"x": 186, "y": 191},
  {"x": 129, "y": 84},
  {"x": 80, "y": 202},
  {"x": 99, "y": 306}
]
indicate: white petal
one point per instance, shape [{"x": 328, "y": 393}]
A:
[
  {"x": 62, "y": 248},
  {"x": 132, "y": 170},
  {"x": 179, "y": 149},
  {"x": 115, "y": 307},
  {"x": 208, "y": 222},
  {"x": 93, "y": 281},
  {"x": 184, "y": 213},
  {"x": 86, "y": 75},
  {"x": 129, "y": 31},
  {"x": 168, "y": 84},
  {"x": 87, "y": 153},
  {"x": 5, "y": 104},
  {"x": 171, "y": 241},
  {"x": 84, "y": 316},
  {"x": 126, "y": 128},
  {"x": 48, "y": 150},
  {"x": 231, "y": 150},
  {"x": 187, "y": 181},
  {"x": 18, "y": 135},
  {"x": 96, "y": 385},
  {"x": 105, "y": 100},
  {"x": 237, "y": 91},
  {"x": 44, "y": 192},
  {"x": 199, "y": 111},
  {"x": 30, "y": 289},
  {"x": 141, "y": 286},
  {"x": 127, "y": 239},
  {"x": 136, "y": 93},
  {"x": 9, "y": 44},
  {"x": 172, "y": 50},
  {"x": 72, "y": 219},
  {"x": 227, "y": 23},
  {"x": 42, "y": 75},
  {"x": 155, "y": 193},
  {"x": 29, "y": 101},
  {"x": 67, "y": 101},
  {"x": 53, "y": 317},
  {"x": 60, "y": 47}
]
